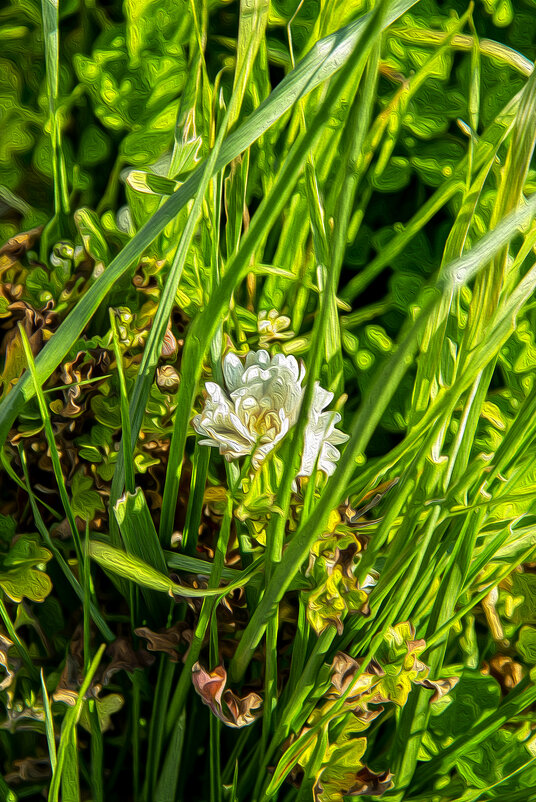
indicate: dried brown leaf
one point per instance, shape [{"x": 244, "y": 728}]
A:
[
  {"x": 440, "y": 687},
  {"x": 166, "y": 640},
  {"x": 29, "y": 769},
  {"x": 10, "y": 664},
  {"x": 124, "y": 658},
  {"x": 225, "y": 704}
]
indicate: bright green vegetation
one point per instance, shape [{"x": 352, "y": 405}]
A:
[{"x": 174, "y": 626}]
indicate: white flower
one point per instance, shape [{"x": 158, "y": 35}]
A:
[{"x": 260, "y": 402}]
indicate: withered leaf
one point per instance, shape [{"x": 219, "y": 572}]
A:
[
  {"x": 10, "y": 664},
  {"x": 344, "y": 670},
  {"x": 225, "y": 704},
  {"x": 29, "y": 769},
  {"x": 366, "y": 782},
  {"x": 506, "y": 671},
  {"x": 123, "y": 657},
  {"x": 165, "y": 640},
  {"x": 369, "y": 783},
  {"x": 440, "y": 687},
  {"x": 18, "y": 245}
]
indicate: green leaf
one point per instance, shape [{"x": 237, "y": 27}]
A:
[
  {"x": 25, "y": 582},
  {"x": 150, "y": 183},
  {"x": 19, "y": 573},
  {"x": 85, "y": 500},
  {"x": 130, "y": 567},
  {"x": 106, "y": 706},
  {"x": 472, "y": 699},
  {"x": 524, "y": 591},
  {"x": 526, "y": 644},
  {"x": 89, "y": 227}
]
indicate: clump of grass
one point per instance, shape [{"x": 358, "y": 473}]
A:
[{"x": 314, "y": 236}]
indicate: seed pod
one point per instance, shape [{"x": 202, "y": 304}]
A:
[
  {"x": 169, "y": 344},
  {"x": 167, "y": 379}
]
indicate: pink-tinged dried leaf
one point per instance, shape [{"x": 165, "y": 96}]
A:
[
  {"x": 10, "y": 664},
  {"x": 209, "y": 685},
  {"x": 344, "y": 670},
  {"x": 225, "y": 704},
  {"x": 441, "y": 687}
]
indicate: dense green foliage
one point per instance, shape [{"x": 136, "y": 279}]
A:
[{"x": 347, "y": 184}]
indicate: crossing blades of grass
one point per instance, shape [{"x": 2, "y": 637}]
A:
[
  {"x": 68, "y": 732},
  {"x": 204, "y": 326},
  {"x": 366, "y": 419},
  {"x": 323, "y": 61},
  {"x": 141, "y": 540},
  {"x": 144, "y": 575}
]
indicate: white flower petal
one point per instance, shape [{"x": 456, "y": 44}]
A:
[
  {"x": 260, "y": 402},
  {"x": 233, "y": 370}
]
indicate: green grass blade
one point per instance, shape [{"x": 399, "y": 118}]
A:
[
  {"x": 516, "y": 701},
  {"x": 153, "y": 346},
  {"x": 251, "y": 32},
  {"x": 50, "y": 13},
  {"x": 51, "y": 440},
  {"x": 166, "y": 789},
  {"x": 137, "y": 571},
  {"x": 126, "y": 451},
  {"x": 141, "y": 540},
  {"x": 70, "y": 721},
  {"x": 375, "y": 402},
  {"x": 200, "y": 463},
  {"x": 97, "y": 753},
  {"x": 18, "y": 644},
  {"x": 179, "y": 697},
  {"x": 49, "y": 724}
]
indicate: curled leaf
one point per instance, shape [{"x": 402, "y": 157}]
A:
[
  {"x": 10, "y": 665},
  {"x": 123, "y": 657},
  {"x": 389, "y": 676},
  {"x": 226, "y": 705},
  {"x": 20, "y": 571},
  {"x": 346, "y": 674},
  {"x": 440, "y": 687},
  {"x": 334, "y": 597},
  {"x": 29, "y": 769},
  {"x": 166, "y": 640}
]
